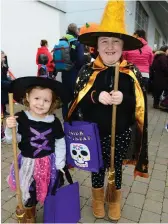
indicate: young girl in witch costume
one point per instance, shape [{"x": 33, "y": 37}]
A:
[
  {"x": 40, "y": 139},
  {"x": 95, "y": 95}
]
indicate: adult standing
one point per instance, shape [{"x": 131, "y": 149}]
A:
[
  {"x": 159, "y": 72},
  {"x": 77, "y": 58},
  {"x": 142, "y": 57}
]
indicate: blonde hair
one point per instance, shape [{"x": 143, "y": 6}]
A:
[{"x": 56, "y": 101}]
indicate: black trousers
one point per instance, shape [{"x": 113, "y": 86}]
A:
[
  {"x": 121, "y": 148},
  {"x": 156, "y": 96},
  {"x": 146, "y": 83}
]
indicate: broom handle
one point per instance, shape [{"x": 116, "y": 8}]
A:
[
  {"x": 116, "y": 79},
  {"x": 14, "y": 144}
]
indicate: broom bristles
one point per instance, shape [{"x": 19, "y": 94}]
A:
[
  {"x": 110, "y": 193},
  {"x": 20, "y": 215}
]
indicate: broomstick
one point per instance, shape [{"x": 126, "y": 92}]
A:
[
  {"x": 20, "y": 212},
  {"x": 111, "y": 173}
]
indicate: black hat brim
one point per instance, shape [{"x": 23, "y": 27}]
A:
[
  {"x": 130, "y": 42},
  {"x": 19, "y": 87}
]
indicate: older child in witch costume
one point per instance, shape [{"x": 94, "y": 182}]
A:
[
  {"x": 40, "y": 139},
  {"x": 94, "y": 97}
]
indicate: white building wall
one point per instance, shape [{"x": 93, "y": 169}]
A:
[
  {"x": 23, "y": 25},
  {"x": 82, "y": 11}
]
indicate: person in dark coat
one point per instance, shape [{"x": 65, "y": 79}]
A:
[
  {"x": 5, "y": 83},
  {"x": 77, "y": 57},
  {"x": 159, "y": 74}
]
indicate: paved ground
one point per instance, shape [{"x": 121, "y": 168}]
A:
[{"x": 144, "y": 200}]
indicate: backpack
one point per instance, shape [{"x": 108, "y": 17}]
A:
[
  {"x": 43, "y": 59},
  {"x": 62, "y": 53}
]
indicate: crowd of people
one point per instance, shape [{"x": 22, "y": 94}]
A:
[
  {"x": 87, "y": 61},
  {"x": 153, "y": 66}
]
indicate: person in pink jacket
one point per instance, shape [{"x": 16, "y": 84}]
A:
[{"x": 141, "y": 58}]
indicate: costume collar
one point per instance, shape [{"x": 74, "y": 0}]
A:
[{"x": 100, "y": 66}]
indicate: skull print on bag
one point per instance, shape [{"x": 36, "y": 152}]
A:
[{"x": 80, "y": 153}]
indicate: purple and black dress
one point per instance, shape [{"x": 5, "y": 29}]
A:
[{"x": 43, "y": 150}]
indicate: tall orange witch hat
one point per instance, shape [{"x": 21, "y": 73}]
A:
[{"x": 112, "y": 25}]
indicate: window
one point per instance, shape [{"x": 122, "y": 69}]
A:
[{"x": 141, "y": 18}]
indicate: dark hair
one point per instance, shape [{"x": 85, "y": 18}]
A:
[
  {"x": 43, "y": 43},
  {"x": 141, "y": 33},
  {"x": 164, "y": 48}
]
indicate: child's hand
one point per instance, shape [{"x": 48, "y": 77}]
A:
[
  {"x": 117, "y": 97},
  {"x": 11, "y": 122},
  {"x": 105, "y": 98}
]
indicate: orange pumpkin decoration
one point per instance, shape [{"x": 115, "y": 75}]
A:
[{"x": 88, "y": 27}]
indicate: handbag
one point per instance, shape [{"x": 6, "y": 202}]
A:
[
  {"x": 83, "y": 148},
  {"x": 62, "y": 204}
]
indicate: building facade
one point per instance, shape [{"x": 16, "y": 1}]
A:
[
  {"x": 147, "y": 15},
  {"x": 25, "y": 23}
]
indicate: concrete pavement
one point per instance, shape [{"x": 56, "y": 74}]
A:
[{"x": 143, "y": 200}]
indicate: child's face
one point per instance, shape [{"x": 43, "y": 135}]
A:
[
  {"x": 110, "y": 49},
  {"x": 40, "y": 101}
]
